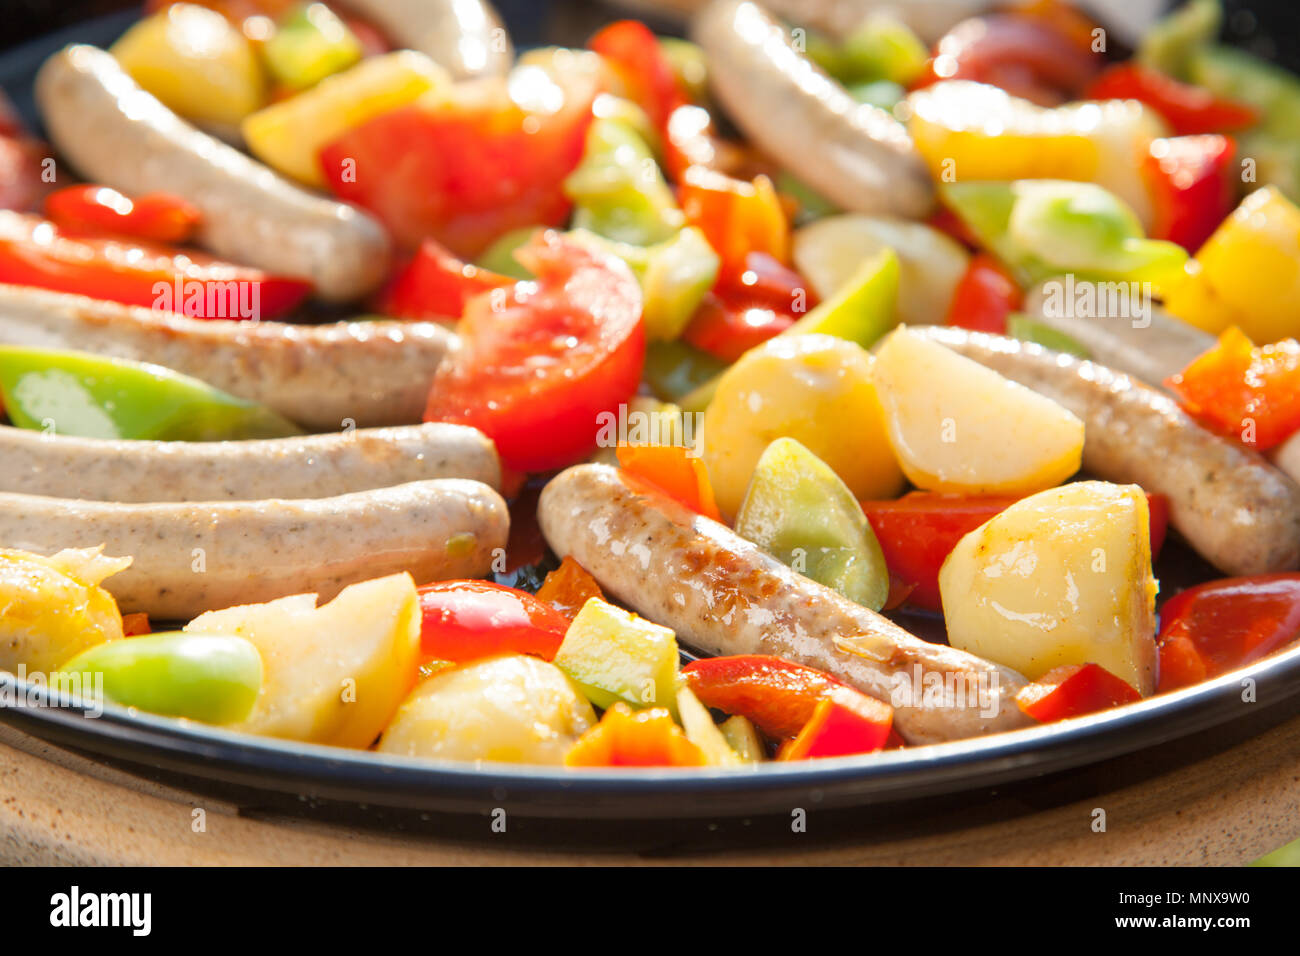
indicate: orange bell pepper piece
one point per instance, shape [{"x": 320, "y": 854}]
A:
[
  {"x": 628, "y": 738},
  {"x": 569, "y": 587},
  {"x": 674, "y": 471},
  {"x": 737, "y": 217}
]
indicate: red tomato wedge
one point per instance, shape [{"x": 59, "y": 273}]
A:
[
  {"x": 541, "y": 362},
  {"x": 778, "y": 696},
  {"x": 468, "y": 168},
  {"x": 35, "y": 252},
  {"x": 1188, "y": 109},
  {"x": 157, "y": 217},
  {"x": 985, "y": 296},
  {"x": 1243, "y": 391},
  {"x": 1074, "y": 690},
  {"x": 1219, "y": 626},
  {"x": 918, "y": 531},
  {"x": 467, "y": 620},
  {"x": 435, "y": 284},
  {"x": 844, "y": 722}
]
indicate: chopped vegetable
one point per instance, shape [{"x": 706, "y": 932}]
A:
[
  {"x": 90, "y": 396},
  {"x": 1247, "y": 392},
  {"x": 736, "y": 217},
  {"x": 1219, "y": 626},
  {"x": 309, "y": 44},
  {"x": 1187, "y": 109},
  {"x": 613, "y": 655},
  {"x": 985, "y": 297},
  {"x": 843, "y": 723},
  {"x": 206, "y": 677},
  {"x": 676, "y": 471},
  {"x": 644, "y": 67},
  {"x": 568, "y": 588},
  {"x": 435, "y": 284},
  {"x": 617, "y": 189},
  {"x": 703, "y": 732},
  {"x": 798, "y": 509},
  {"x": 1193, "y": 187},
  {"x": 778, "y": 696},
  {"x": 1030, "y": 329},
  {"x": 1072, "y": 691},
  {"x": 157, "y": 217},
  {"x": 625, "y": 738},
  {"x": 468, "y": 620}
]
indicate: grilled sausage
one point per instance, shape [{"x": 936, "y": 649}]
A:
[
  {"x": 191, "y": 558},
  {"x": 320, "y": 376},
  {"x": 1238, "y": 511},
  {"x": 463, "y": 36},
  {"x": 856, "y": 155},
  {"x": 313, "y": 466},
  {"x": 723, "y": 595},
  {"x": 115, "y": 133}
]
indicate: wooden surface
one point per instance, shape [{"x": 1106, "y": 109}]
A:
[{"x": 1227, "y": 808}]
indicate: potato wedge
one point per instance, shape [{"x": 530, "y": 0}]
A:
[
  {"x": 957, "y": 426},
  {"x": 1062, "y": 577},
  {"x": 333, "y": 674}
]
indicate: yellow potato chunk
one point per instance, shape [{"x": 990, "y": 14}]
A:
[
  {"x": 1062, "y": 577},
  {"x": 510, "y": 709},
  {"x": 957, "y": 426},
  {"x": 333, "y": 674},
  {"x": 816, "y": 389},
  {"x": 52, "y": 608}
]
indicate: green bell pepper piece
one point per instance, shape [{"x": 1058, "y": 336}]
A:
[
  {"x": 618, "y": 190},
  {"x": 689, "y": 66},
  {"x": 675, "y": 369},
  {"x": 1170, "y": 44},
  {"x": 882, "y": 48},
  {"x": 212, "y": 678},
  {"x": 801, "y": 512},
  {"x": 1029, "y": 329},
  {"x": 90, "y": 396},
  {"x": 309, "y": 44},
  {"x": 678, "y": 274},
  {"x": 812, "y": 204},
  {"x": 500, "y": 256}
]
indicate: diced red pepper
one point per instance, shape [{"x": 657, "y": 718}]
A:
[
  {"x": 844, "y": 722},
  {"x": 468, "y": 620},
  {"x": 134, "y": 625},
  {"x": 1219, "y": 626},
  {"x": 727, "y": 332},
  {"x": 624, "y": 738},
  {"x": 633, "y": 52},
  {"x": 918, "y": 531},
  {"x": 1192, "y": 187},
  {"x": 1188, "y": 109},
  {"x": 737, "y": 218},
  {"x": 35, "y": 252},
  {"x": 98, "y": 210},
  {"x": 1074, "y": 690},
  {"x": 676, "y": 471},
  {"x": 569, "y": 587},
  {"x": 985, "y": 296},
  {"x": 1243, "y": 391},
  {"x": 435, "y": 284},
  {"x": 779, "y": 697}
]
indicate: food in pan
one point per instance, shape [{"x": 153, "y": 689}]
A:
[{"x": 831, "y": 382}]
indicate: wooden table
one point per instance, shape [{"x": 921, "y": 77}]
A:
[{"x": 1225, "y": 797}]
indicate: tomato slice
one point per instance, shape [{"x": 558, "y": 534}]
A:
[
  {"x": 159, "y": 217},
  {"x": 468, "y": 620},
  {"x": 540, "y": 363},
  {"x": 435, "y": 284}
]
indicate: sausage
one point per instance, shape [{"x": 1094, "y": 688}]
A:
[
  {"x": 856, "y": 155},
  {"x": 1150, "y": 347},
  {"x": 313, "y": 466},
  {"x": 320, "y": 376},
  {"x": 1239, "y": 512},
  {"x": 115, "y": 133},
  {"x": 723, "y": 595},
  {"x": 463, "y": 36},
  {"x": 188, "y": 558}
]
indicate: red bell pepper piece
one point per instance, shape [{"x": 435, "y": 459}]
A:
[
  {"x": 133, "y": 625},
  {"x": 918, "y": 531},
  {"x": 737, "y": 218},
  {"x": 467, "y": 620},
  {"x": 777, "y": 695},
  {"x": 985, "y": 296},
  {"x": 98, "y": 210},
  {"x": 675, "y": 471},
  {"x": 435, "y": 284},
  {"x": 1074, "y": 690},
  {"x": 35, "y": 252},
  {"x": 747, "y": 308},
  {"x": 632, "y": 50},
  {"x": 627, "y": 738},
  {"x": 1247, "y": 392},
  {"x": 844, "y": 722},
  {"x": 1188, "y": 109},
  {"x": 1192, "y": 187},
  {"x": 1219, "y": 626},
  {"x": 569, "y": 587}
]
